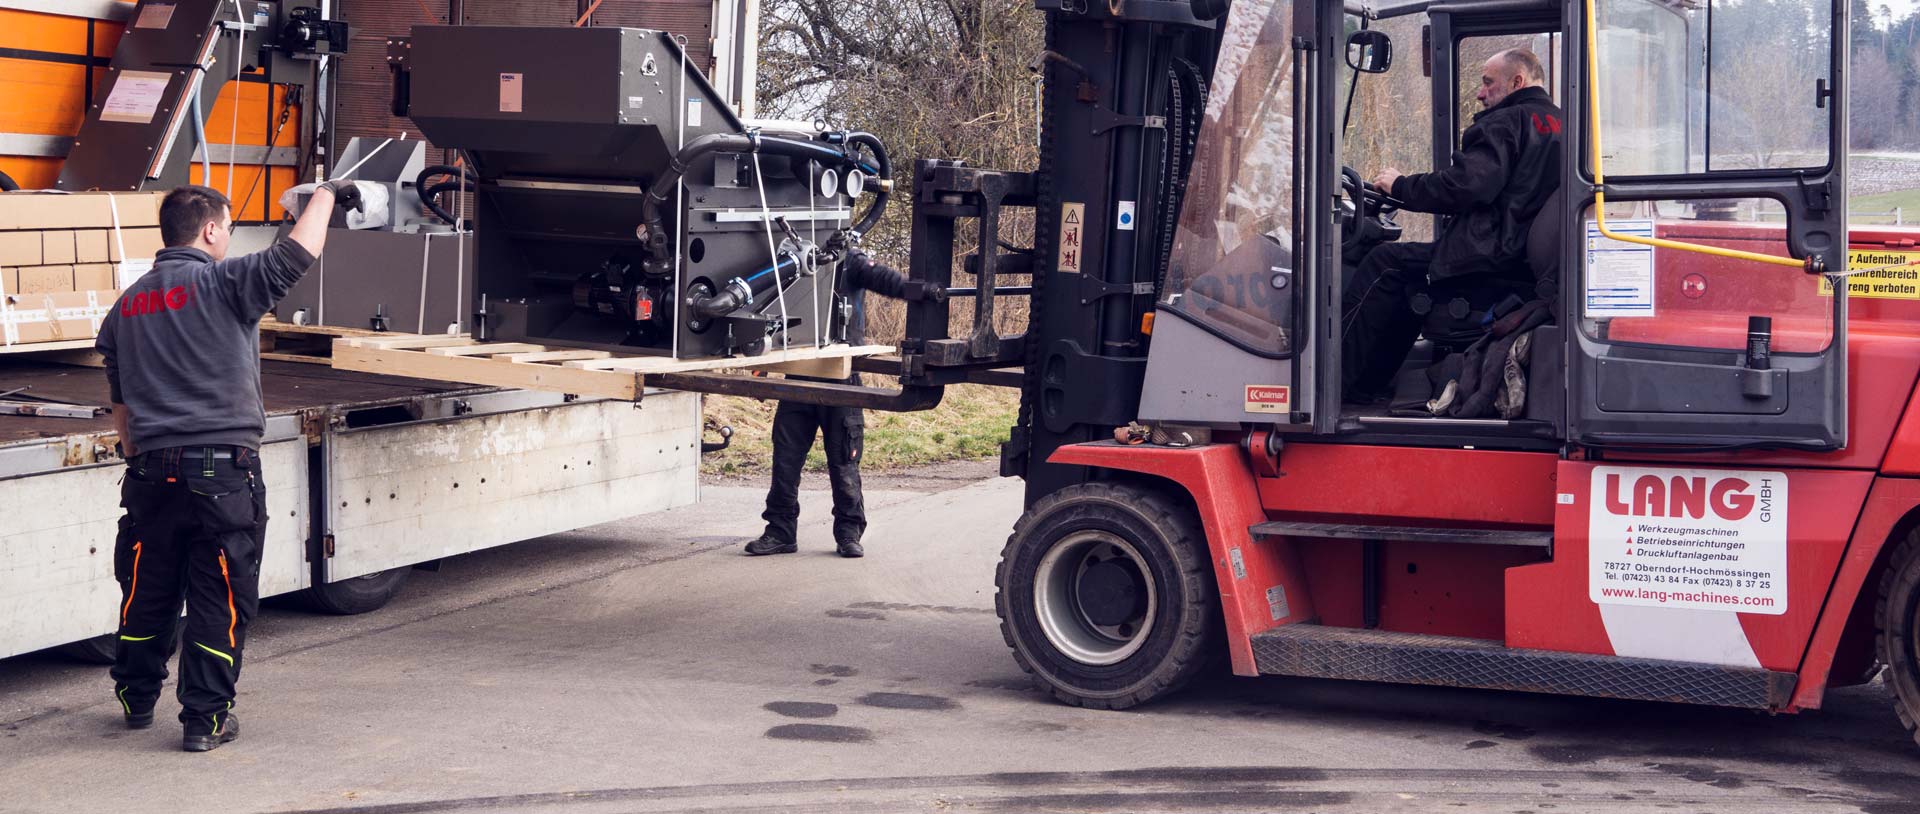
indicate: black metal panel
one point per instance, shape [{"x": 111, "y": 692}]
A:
[
  {"x": 1376, "y": 655},
  {"x": 1412, "y": 534}
]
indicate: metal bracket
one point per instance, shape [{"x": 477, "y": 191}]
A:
[
  {"x": 1818, "y": 195},
  {"x": 1105, "y": 119},
  {"x": 1094, "y": 288}
]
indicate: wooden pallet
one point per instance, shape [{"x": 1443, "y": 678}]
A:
[
  {"x": 309, "y": 344},
  {"x": 594, "y": 373}
]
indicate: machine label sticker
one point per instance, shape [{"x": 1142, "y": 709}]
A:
[
  {"x": 1239, "y": 563},
  {"x": 512, "y": 92},
  {"x": 1886, "y": 284},
  {"x": 1269, "y": 398},
  {"x": 1073, "y": 217},
  {"x": 155, "y": 15},
  {"x": 693, "y": 112},
  {"x": 634, "y": 102},
  {"x": 135, "y": 97},
  {"x": 1277, "y": 602},
  {"x": 1619, "y": 275},
  {"x": 1709, "y": 539},
  {"x": 1123, "y": 217}
]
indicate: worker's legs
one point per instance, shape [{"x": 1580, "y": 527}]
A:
[
  {"x": 1377, "y": 326},
  {"x": 223, "y": 585},
  {"x": 845, "y": 430},
  {"x": 794, "y": 427},
  {"x": 147, "y": 561}
]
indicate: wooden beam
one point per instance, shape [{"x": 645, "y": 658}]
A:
[
  {"x": 489, "y": 349},
  {"x": 837, "y": 367},
  {"x": 662, "y": 364},
  {"x": 555, "y": 356},
  {"x": 406, "y": 342},
  {"x": 493, "y": 372}
]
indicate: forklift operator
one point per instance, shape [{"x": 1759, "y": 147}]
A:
[
  {"x": 182, "y": 357},
  {"x": 1506, "y": 167}
]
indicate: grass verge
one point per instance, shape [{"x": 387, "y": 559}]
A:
[{"x": 970, "y": 423}]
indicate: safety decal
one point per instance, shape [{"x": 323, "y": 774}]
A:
[
  {"x": 1073, "y": 219},
  {"x": 513, "y": 92},
  {"x": 1688, "y": 538},
  {"x": 1884, "y": 284},
  {"x": 1269, "y": 398}
]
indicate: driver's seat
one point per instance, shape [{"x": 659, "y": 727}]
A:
[{"x": 1457, "y": 312}]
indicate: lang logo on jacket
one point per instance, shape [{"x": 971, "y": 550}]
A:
[
  {"x": 1688, "y": 538},
  {"x": 141, "y": 303}
]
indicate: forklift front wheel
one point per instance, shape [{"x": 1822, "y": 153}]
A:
[{"x": 1106, "y": 595}]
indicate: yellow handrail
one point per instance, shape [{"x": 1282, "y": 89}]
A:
[{"x": 1600, "y": 177}]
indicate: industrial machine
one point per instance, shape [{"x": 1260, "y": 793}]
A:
[{"x": 620, "y": 204}]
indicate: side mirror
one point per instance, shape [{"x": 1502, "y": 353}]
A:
[{"x": 1369, "y": 51}]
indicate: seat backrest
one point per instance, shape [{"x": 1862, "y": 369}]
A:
[{"x": 1544, "y": 238}]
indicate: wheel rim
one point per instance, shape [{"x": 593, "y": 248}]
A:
[{"x": 1095, "y": 598}]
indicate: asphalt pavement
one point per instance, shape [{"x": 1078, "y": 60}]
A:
[{"x": 646, "y": 666}]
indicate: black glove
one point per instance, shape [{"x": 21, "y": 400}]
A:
[{"x": 346, "y": 195}]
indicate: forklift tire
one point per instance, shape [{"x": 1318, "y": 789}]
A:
[
  {"x": 1106, "y": 595},
  {"x": 357, "y": 595},
  {"x": 1896, "y": 622}
]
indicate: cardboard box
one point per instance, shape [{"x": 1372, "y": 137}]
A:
[
  {"x": 20, "y": 248},
  {"x": 90, "y": 245},
  {"x": 93, "y": 277},
  {"x": 46, "y": 279},
  {"x": 57, "y": 247},
  {"x": 79, "y": 210},
  {"x": 54, "y": 317},
  {"x": 141, "y": 244}
]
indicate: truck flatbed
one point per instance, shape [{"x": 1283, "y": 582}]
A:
[{"x": 287, "y": 387}]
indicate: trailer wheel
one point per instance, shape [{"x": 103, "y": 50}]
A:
[
  {"x": 357, "y": 595},
  {"x": 1106, "y": 595},
  {"x": 1896, "y": 621}
]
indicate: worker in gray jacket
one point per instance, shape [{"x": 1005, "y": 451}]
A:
[{"x": 182, "y": 355}]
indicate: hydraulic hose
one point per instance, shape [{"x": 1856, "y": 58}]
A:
[
  {"x": 884, "y": 170},
  {"x": 741, "y": 292},
  {"x": 430, "y": 192}
]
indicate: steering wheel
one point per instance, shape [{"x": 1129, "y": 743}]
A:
[{"x": 1367, "y": 200}]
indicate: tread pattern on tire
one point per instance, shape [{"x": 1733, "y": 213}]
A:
[
  {"x": 1894, "y": 645},
  {"x": 1197, "y": 642}
]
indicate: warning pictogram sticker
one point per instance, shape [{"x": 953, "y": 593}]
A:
[{"x": 1073, "y": 218}]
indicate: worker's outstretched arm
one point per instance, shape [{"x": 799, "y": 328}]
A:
[
  {"x": 252, "y": 284},
  {"x": 863, "y": 273}
]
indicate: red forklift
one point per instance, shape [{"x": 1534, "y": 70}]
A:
[{"x": 1691, "y": 501}]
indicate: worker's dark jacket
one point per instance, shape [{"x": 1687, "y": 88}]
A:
[
  {"x": 182, "y": 346},
  {"x": 1507, "y": 165}
]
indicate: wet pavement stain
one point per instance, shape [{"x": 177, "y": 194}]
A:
[
  {"x": 1010, "y": 684},
  {"x": 838, "y": 613},
  {"x": 907, "y": 700},
  {"x": 801, "y": 709},
  {"x": 820, "y": 733},
  {"x": 1480, "y": 744},
  {"x": 826, "y": 682},
  {"x": 835, "y": 670},
  {"x": 1512, "y": 732},
  {"x": 1717, "y": 778}
]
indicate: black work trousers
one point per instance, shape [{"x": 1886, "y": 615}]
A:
[
  {"x": 193, "y": 529},
  {"x": 1377, "y": 324},
  {"x": 844, "y": 431}
]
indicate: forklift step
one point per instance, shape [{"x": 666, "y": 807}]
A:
[
  {"x": 1319, "y": 651},
  {"x": 1346, "y": 531}
]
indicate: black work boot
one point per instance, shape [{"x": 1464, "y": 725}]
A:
[
  {"x": 139, "y": 720},
  {"x": 851, "y": 549},
  {"x": 764, "y": 545},
  {"x": 228, "y": 729}
]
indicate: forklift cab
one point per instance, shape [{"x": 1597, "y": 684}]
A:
[{"x": 1691, "y": 308}]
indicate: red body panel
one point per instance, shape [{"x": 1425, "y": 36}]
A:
[{"x": 1840, "y": 512}]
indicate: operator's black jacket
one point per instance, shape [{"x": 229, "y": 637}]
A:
[{"x": 1507, "y": 165}]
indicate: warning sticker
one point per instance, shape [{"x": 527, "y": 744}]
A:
[
  {"x": 1073, "y": 218},
  {"x": 1619, "y": 274},
  {"x": 135, "y": 97},
  {"x": 1885, "y": 284},
  {"x": 1709, "y": 539},
  {"x": 1269, "y": 398},
  {"x": 513, "y": 93}
]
